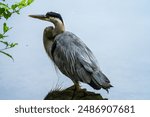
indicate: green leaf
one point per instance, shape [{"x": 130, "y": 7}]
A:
[
  {"x": 22, "y": 4},
  {"x": 2, "y": 36},
  {"x": 23, "y": 1},
  {"x": 7, "y": 54},
  {"x": 13, "y": 45},
  {"x": 2, "y": 5},
  {"x": 14, "y": 6},
  {"x": 5, "y": 28},
  {"x": 5, "y": 42},
  {"x": 2, "y": 10},
  {"x": 7, "y": 14},
  {"x": 29, "y": 2}
]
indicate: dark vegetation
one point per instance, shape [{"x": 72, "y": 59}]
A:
[{"x": 67, "y": 94}]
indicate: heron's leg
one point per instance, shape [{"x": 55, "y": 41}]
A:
[{"x": 76, "y": 89}]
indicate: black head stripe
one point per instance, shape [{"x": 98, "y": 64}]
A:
[{"x": 53, "y": 14}]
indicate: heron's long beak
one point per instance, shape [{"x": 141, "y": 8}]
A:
[{"x": 41, "y": 17}]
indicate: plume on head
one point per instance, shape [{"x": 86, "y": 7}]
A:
[{"x": 55, "y": 15}]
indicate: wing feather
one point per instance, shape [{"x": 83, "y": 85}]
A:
[{"x": 75, "y": 60}]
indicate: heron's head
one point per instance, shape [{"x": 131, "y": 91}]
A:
[
  {"x": 55, "y": 18},
  {"x": 50, "y": 16}
]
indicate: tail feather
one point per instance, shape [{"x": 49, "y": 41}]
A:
[
  {"x": 99, "y": 81},
  {"x": 94, "y": 85}
]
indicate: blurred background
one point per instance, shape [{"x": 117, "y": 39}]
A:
[{"x": 117, "y": 32}]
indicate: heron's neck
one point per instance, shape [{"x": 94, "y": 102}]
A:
[{"x": 59, "y": 28}]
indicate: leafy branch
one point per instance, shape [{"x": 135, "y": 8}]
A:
[{"x": 6, "y": 11}]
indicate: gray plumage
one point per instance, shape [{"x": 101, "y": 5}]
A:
[{"x": 73, "y": 58}]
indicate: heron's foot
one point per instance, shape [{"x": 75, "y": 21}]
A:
[{"x": 76, "y": 89}]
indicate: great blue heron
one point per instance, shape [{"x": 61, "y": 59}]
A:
[{"x": 73, "y": 58}]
